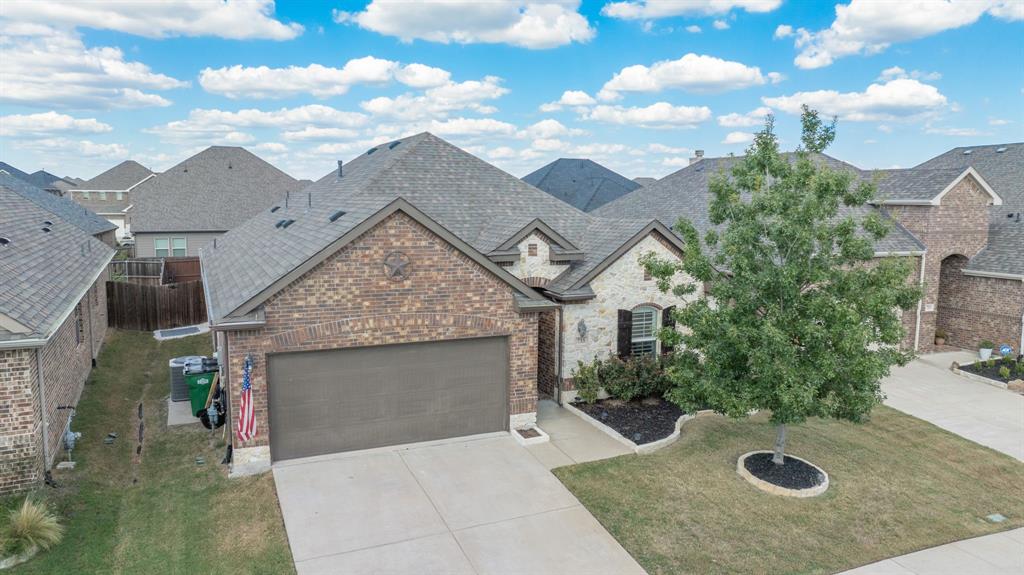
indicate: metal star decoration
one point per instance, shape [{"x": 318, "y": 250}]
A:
[{"x": 396, "y": 266}]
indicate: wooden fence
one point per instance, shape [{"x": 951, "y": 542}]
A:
[
  {"x": 181, "y": 270},
  {"x": 152, "y": 307},
  {"x": 156, "y": 271}
]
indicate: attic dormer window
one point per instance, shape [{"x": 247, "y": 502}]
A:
[{"x": 531, "y": 249}]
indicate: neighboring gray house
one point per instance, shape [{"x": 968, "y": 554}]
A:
[
  {"x": 178, "y": 211},
  {"x": 78, "y": 216},
  {"x": 645, "y": 181},
  {"x": 110, "y": 193},
  {"x": 583, "y": 184}
]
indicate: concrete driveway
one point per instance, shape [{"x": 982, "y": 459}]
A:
[
  {"x": 480, "y": 505},
  {"x": 928, "y": 390}
]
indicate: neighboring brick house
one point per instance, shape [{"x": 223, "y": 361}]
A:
[
  {"x": 957, "y": 216},
  {"x": 176, "y": 212},
  {"x": 52, "y": 323},
  {"x": 110, "y": 194},
  {"x": 583, "y": 184},
  {"x": 418, "y": 293}
]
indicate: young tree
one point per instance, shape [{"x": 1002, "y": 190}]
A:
[{"x": 798, "y": 318}]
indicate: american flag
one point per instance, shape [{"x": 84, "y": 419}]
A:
[{"x": 246, "y": 413}]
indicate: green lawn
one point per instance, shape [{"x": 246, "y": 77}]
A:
[
  {"x": 898, "y": 484},
  {"x": 158, "y": 512}
]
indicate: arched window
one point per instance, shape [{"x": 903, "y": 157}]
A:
[{"x": 645, "y": 329}]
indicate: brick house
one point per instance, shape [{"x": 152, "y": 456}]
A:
[
  {"x": 53, "y": 260},
  {"x": 111, "y": 193},
  {"x": 418, "y": 293}
]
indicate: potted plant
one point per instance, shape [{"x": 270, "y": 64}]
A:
[
  {"x": 940, "y": 337},
  {"x": 985, "y": 349}
]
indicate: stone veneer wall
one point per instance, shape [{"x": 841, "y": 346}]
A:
[
  {"x": 66, "y": 360},
  {"x": 620, "y": 286},
  {"x": 536, "y": 268},
  {"x": 348, "y": 301},
  {"x": 959, "y": 225}
]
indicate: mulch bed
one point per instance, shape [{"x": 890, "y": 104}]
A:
[
  {"x": 528, "y": 433},
  {"x": 792, "y": 474},
  {"x": 639, "y": 421},
  {"x": 979, "y": 368}
]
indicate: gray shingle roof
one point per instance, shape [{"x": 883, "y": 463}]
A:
[
  {"x": 645, "y": 181},
  {"x": 474, "y": 200},
  {"x": 582, "y": 183},
  {"x": 214, "y": 190},
  {"x": 913, "y": 184},
  {"x": 44, "y": 273},
  {"x": 75, "y": 214},
  {"x": 120, "y": 177},
  {"x": 685, "y": 193},
  {"x": 40, "y": 178}
]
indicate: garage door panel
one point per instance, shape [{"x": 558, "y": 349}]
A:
[{"x": 340, "y": 400}]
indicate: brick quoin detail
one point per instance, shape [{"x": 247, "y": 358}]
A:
[{"x": 347, "y": 301}]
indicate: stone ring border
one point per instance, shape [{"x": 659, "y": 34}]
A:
[{"x": 775, "y": 489}]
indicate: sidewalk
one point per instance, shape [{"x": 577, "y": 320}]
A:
[{"x": 994, "y": 554}]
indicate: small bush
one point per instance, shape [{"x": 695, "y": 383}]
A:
[
  {"x": 1004, "y": 372},
  {"x": 585, "y": 379},
  {"x": 634, "y": 378},
  {"x": 941, "y": 334},
  {"x": 1020, "y": 367},
  {"x": 990, "y": 362},
  {"x": 986, "y": 344},
  {"x": 31, "y": 525}
]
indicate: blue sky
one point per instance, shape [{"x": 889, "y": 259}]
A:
[{"x": 634, "y": 85}]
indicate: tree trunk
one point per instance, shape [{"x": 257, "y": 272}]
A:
[{"x": 780, "y": 444}]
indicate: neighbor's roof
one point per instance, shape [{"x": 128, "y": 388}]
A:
[
  {"x": 645, "y": 181},
  {"x": 213, "y": 191},
  {"x": 685, "y": 193},
  {"x": 121, "y": 177},
  {"x": 40, "y": 178},
  {"x": 75, "y": 214},
  {"x": 582, "y": 183},
  {"x": 477, "y": 202},
  {"x": 45, "y": 273}
]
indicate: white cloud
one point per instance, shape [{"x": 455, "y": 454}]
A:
[
  {"x": 549, "y": 145},
  {"x": 677, "y": 162},
  {"x": 960, "y": 132},
  {"x": 895, "y": 73},
  {"x": 693, "y": 29},
  {"x": 470, "y": 127},
  {"x": 752, "y": 118},
  {"x": 313, "y": 133},
  {"x": 46, "y": 67},
  {"x": 48, "y": 123},
  {"x": 74, "y": 149},
  {"x": 502, "y": 153},
  {"x": 663, "y": 149},
  {"x": 249, "y": 19},
  {"x": 775, "y": 77},
  {"x": 569, "y": 98},
  {"x": 738, "y": 138},
  {"x": 720, "y": 25},
  {"x": 269, "y": 148},
  {"x": 320, "y": 81},
  {"x": 692, "y": 72},
  {"x": 783, "y": 31},
  {"x": 893, "y": 100},
  {"x": 527, "y": 24},
  {"x": 222, "y": 126},
  {"x": 659, "y": 115},
  {"x": 870, "y": 27},
  {"x": 998, "y": 122},
  {"x": 649, "y": 9},
  {"x": 549, "y": 129},
  {"x": 440, "y": 101}
]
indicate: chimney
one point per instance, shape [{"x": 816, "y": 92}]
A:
[
  {"x": 698, "y": 155},
  {"x": 339, "y": 168}
]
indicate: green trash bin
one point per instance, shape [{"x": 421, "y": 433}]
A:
[{"x": 199, "y": 389}]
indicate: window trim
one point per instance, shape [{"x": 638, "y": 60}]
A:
[
  {"x": 184, "y": 247},
  {"x": 166, "y": 249},
  {"x": 655, "y": 325}
]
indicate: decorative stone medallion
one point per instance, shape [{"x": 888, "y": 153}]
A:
[{"x": 396, "y": 266}]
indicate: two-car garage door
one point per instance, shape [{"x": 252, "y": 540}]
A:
[{"x": 358, "y": 398}]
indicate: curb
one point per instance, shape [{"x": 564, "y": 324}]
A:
[
  {"x": 641, "y": 448},
  {"x": 978, "y": 378}
]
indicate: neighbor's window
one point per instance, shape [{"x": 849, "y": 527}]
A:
[
  {"x": 103, "y": 196},
  {"x": 178, "y": 247},
  {"x": 161, "y": 247},
  {"x": 645, "y": 326},
  {"x": 85, "y": 195},
  {"x": 119, "y": 196},
  {"x": 531, "y": 249}
]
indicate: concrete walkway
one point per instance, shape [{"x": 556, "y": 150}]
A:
[
  {"x": 985, "y": 414},
  {"x": 478, "y": 505},
  {"x": 997, "y": 554},
  {"x": 572, "y": 439}
]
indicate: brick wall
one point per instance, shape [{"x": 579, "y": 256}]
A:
[
  {"x": 66, "y": 360},
  {"x": 972, "y": 308},
  {"x": 959, "y": 225},
  {"x": 547, "y": 352},
  {"x": 348, "y": 301}
]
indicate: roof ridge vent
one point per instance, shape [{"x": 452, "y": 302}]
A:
[
  {"x": 967, "y": 152},
  {"x": 1000, "y": 149},
  {"x": 4, "y": 241}
]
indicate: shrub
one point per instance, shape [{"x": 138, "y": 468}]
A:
[
  {"x": 941, "y": 333},
  {"x": 1020, "y": 367},
  {"x": 585, "y": 379},
  {"x": 1004, "y": 372},
  {"x": 990, "y": 362},
  {"x": 31, "y": 525},
  {"x": 986, "y": 344}
]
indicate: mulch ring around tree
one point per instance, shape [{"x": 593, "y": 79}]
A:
[
  {"x": 641, "y": 421},
  {"x": 793, "y": 474}
]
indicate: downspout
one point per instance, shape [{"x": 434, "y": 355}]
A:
[
  {"x": 92, "y": 351},
  {"x": 561, "y": 335},
  {"x": 42, "y": 409},
  {"x": 1020, "y": 349},
  {"x": 920, "y": 305}
]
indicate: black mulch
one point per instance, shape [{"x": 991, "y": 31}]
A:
[
  {"x": 980, "y": 368},
  {"x": 792, "y": 474},
  {"x": 639, "y": 421}
]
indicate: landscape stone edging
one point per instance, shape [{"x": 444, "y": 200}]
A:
[
  {"x": 775, "y": 489},
  {"x": 11, "y": 561},
  {"x": 976, "y": 377},
  {"x": 639, "y": 449}
]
